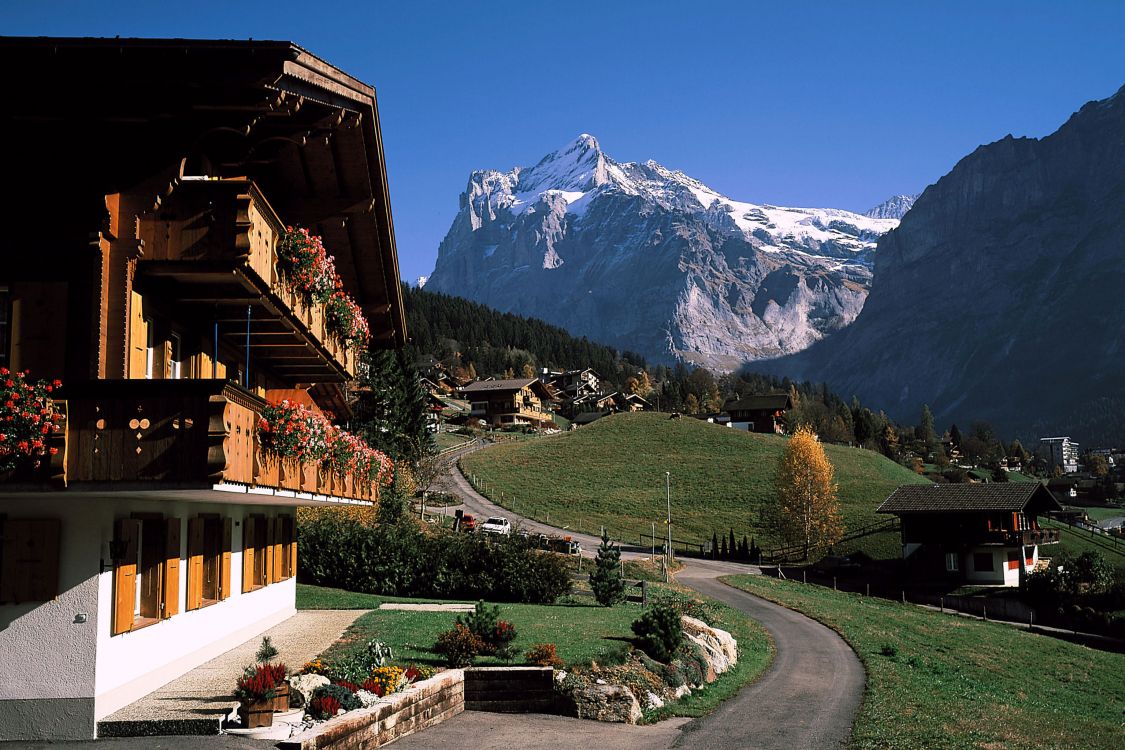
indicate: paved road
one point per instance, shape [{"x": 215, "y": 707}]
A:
[
  {"x": 806, "y": 700},
  {"x": 809, "y": 696}
]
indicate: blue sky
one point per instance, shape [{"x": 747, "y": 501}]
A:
[{"x": 837, "y": 104}]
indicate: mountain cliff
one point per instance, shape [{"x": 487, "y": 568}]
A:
[
  {"x": 1001, "y": 295},
  {"x": 649, "y": 259}
]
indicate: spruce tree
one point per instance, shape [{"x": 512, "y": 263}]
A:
[
  {"x": 732, "y": 546},
  {"x": 390, "y": 411},
  {"x": 714, "y": 546},
  {"x": 605, "y": 580}
]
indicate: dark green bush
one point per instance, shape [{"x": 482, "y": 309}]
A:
[
  {"x": 659, "y": 633},
  {"x": 402, "y": 560},
  {"x": 459, "y": 646}
]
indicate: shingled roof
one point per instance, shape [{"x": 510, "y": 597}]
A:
[
  {"x": 969, "y": 498},
  {"x": 762, "y": 402}
]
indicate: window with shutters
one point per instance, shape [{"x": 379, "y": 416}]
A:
[
  {"x": 205, "y": 560},
  {"x": 257, "y": 553},
  {"x": 29, "y": 560},
  {"x": 287, "y": 547},
  {"x": 146, "y": 579}
]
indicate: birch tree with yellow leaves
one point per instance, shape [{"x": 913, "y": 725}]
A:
[{"x": 807, "y": 510}]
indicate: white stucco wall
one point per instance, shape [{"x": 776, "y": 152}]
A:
[
  {"x": 1001, "y": 575},
  {"x": 46, "y": 654}
]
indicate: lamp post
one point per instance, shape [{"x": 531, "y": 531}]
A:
[{"x": 668, "y": 519}]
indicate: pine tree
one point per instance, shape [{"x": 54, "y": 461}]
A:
[
  {"x": 926, "y": 429},
  {"x": 605, "y": 580},
  {"x": 390, "y": 411},
  {"x": 807, "y": 511},
  {"x": 723, "y": 553},
  {"x": 732, "y": 545},
  {"x": 714, "y": 546},
  {"x": 744, "y": 550}
]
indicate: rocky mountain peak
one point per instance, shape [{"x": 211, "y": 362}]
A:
[{"x": 894, "y": 207}]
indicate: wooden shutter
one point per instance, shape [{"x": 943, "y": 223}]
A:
[
  {"x": 195, "y": 563},
  {"x": 29, "y": 569},
  {"x": 275, "y": 549},
  {"x": 247, "y": 554},
  {"x": 171, "y": 589},
  {"x": 125, "y": 576},
  {"x": 293, "y": 546},
  {"x": 224, "y": 561}
]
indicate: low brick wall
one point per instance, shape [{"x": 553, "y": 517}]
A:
[
  {"x": 517, "y": 690},
  {"x": 424, "y": 704}
]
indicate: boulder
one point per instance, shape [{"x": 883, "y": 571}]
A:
[
  {"x": 301, "y": 687},
  {"x": 719, "y": 645},
  {"x": 612, "y": 703}
]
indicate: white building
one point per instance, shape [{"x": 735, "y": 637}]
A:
[{"x": 1061, "y": 452}]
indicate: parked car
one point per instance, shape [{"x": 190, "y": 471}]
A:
[
  {"x": 468, "y": 523},
  {"x": 497, "y": 525}
]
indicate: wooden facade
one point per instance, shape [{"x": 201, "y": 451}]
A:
[{"x": 502, "y": 403}]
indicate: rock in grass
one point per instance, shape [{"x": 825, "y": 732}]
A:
[{"x": 611, "y": 703}]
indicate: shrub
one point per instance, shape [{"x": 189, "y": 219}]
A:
[
  {"x": 256, "y": 683},
  {"x": 459, "y": 646},
  {"x": 266, "y": 651},
  {"x": 403, "y": 560},
  {"x": 544, "y": 655},
  {"x": 659, "y": 632},
  {"x": 324, "y": 707},
  {"x": 482, "y": 622},
  {"x": 345, "y": 697},
  {"x": 606, "y": 581}
]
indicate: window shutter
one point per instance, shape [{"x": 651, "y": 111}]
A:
[
  {"x": 29, "y": 569},
  {"x": 125, "y": 576},
  {"x": 275, "y": 550},
  {"x": 293, "y": 546},
  {"x": 247, "y": 554},
  {"x": 171, "y": 588},
  {"x": 195, "y": 564},
  {"x": 224, "y": 562},
  {"x": 138, "y": 337}
]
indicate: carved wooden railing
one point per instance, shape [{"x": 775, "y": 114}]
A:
[
  {"x": 179, "y": 434},
  {"x": 241, "y": 226}
]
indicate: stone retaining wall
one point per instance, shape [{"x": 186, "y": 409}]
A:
[{"x": 422, "y": 705}]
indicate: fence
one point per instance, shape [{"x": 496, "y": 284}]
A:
[{"x": 641, "y": 597}]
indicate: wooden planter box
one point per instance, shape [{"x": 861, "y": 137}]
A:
[
  {"x": 281, "y": 700},
  {"x": 257, "y": 714}
]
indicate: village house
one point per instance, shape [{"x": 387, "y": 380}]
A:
[
  {"x": 975, "y": 533},
  {"x": 511, "y": 402},
  {"x": 760, "y": 413},
  {"x": 157, "y": 179}
]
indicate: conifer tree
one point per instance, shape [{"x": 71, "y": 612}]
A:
[
  {"x": 605, "y": 580},
  {"x": 714, "y": 546},
  {"x": 390, "y": 411},
  {"x": 806, "y": 511},
  {"x": 732, "y": 545}
]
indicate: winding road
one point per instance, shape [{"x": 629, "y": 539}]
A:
[{"x": 806, "y": 700}]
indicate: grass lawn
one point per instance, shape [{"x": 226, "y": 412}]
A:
[
  {"x": 611, "y": 473},
  {"x": 446, "y": 440},
  {"x": 1100, "y": 514},
  {"x": 942, "y": 682},
  {"x": 583, "y": 633},
  {"x": 1075, "y": 542}
]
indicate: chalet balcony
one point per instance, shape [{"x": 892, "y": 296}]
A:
[
  {"x": 210, "y": 249},
  {"x": 1031, "y": 537},
  {"x": 189, "y": 438}
]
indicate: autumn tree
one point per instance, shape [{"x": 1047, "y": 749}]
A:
[
  {"x": 807, "y": 511},
  {"x": 528, "y": 370}
]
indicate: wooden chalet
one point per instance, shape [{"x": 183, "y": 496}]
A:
[
  {"x": 154, "y": 179},
  {"x": 760, "y": 413},
  {"x": 976, "y": 533},
  {"x": 510, "y": 402}
]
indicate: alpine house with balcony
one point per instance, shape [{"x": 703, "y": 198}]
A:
[
  {"x": 975, "y": 533},
  {"x": 155, "y": 268}
]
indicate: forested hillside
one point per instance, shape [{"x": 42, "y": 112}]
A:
[{"x": 487, "y": 342}]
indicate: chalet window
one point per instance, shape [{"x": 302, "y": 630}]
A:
[
  {"x": 5, "y": 326},
  {"x": 257, "y": 552},
  {"x": 29, "y": 560},
  {"x": 175, "y": 363},
  {"x": 209, "y": 550},
  {"x": 146, "y": 581},
  {"x": 952, "y": 562},
  {"x": 150, "y": 348},
  {"x": 983, "y": 562}
]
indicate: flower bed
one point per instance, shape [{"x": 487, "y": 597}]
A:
[
  {"x": 310, "y": 271},
  {"x": 27, "y": 417}
]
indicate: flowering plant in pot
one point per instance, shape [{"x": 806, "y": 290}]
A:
[
  {"x": 292, "y": 430},
  {"x": 255, "y": 690},
  {"x": 346, "y": 320},
  {"x": 27, "y": 419},
  {"x": 306, "y": 265}
]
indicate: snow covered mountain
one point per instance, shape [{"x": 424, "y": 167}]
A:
[
  {"x": 893, "y": 208},
  {"x": 649, "y": 259}
]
